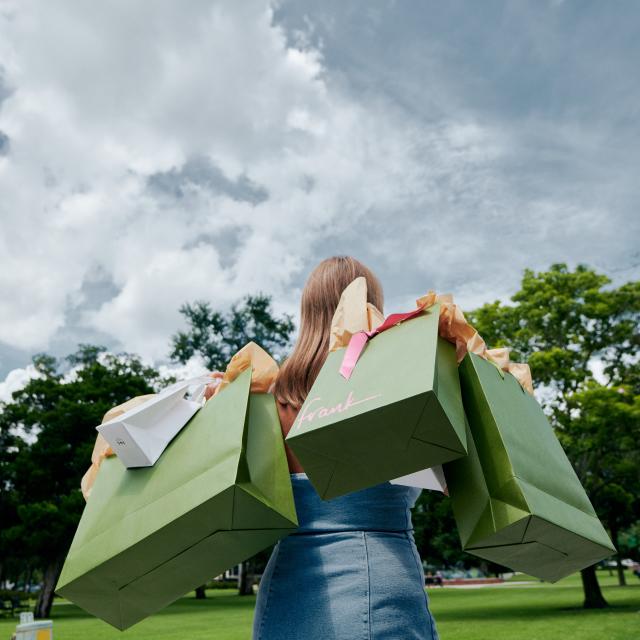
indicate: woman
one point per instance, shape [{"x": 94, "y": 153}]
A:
[{"x": 351, "y": 570}]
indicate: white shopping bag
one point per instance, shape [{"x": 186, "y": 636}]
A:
[
  {"x": 139, "y": 436},
  {"x": 432, "y": 479}
]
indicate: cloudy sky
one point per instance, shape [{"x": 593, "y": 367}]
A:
[{"x": 153, "y": 153}]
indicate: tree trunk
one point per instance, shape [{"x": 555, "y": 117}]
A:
[
  {"x": 593, "y": 598},
  {"x": 245, "y": 580},
  {"x": 622, "y": 581},
  {"x": 614, "y": 538},
  {"x": 49, "y": 580},
  {"x": 200, "y": 593}
]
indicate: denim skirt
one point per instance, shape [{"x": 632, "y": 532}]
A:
[{"x": 351, "y": 571}]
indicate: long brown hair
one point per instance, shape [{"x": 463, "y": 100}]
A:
[{"x": 320, "y": 298}]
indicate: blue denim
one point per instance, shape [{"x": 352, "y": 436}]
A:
[{"x": 350, "y": 571}]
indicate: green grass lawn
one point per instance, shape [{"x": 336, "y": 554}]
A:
[{"x": 525, "y": 612}]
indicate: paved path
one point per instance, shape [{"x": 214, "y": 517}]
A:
[{"x": 512, "y": 583}]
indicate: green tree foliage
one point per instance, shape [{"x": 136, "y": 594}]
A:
[
  {"x": 601, "y": 438},
  {"x": 217, "y": 336},
  {"x": 629, "y": 541},
  {"x": 565, "y": 323},
  {"x": 48, "y": 432},
  {"x": 435, "y": 531},
  {"x": 11, "y": 562},
  {"x": 437, "y": 536}
]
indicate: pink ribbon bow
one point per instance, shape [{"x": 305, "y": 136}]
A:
[{"x": 359, "y": 340}]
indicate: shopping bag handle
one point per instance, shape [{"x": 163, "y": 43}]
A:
[{"x": 201, "y": 382}]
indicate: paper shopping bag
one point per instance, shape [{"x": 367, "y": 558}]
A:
[
  {"x": 399, "y": 412},
  {"x": 516, "y": 498},
  {"x": 140, "y": 435},
  {"x": 220, "y": 493}
]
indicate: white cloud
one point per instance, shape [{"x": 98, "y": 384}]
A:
[
  {"x": 108, "y": 97},
  {"x": 193, "y": 368},
  {"x": 16, "y": 380},
  {"x": 133, "y": 92},
  {"x": 90, "y": 121}
]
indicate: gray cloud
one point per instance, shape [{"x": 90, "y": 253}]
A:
[
  {"x": 96, "y": 288},
  {"x": 200, "y": 172},
  {"x": 12, "y": 358},
  {"x": 542, "y": 99},
  {"x": 4, "y": 144},
  {"x": 5, "y": 90},
  {"x": 228, "y": 243}
]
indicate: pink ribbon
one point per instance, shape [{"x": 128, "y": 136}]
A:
[{"x": 359, "y": 340}]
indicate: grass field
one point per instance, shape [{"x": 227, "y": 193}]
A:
[{"x": 525, "y": 612}]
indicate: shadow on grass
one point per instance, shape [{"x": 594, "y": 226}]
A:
[
  {"x": 528, "y": 604},
  {"x": 225, "y": 602},
  {"x": 530, "y": 613}
]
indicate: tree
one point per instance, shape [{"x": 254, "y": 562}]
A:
[
  {"x": 565, "y": 323},
  {"x": 437, "y": 538},
  {"x": 602, "y": 440},
  {"x": 58, "y": 414},
  {"x": 630, "y": 542},
  {"x": 9, "y": 563},
  {"x": 435, "y": 531},
  {"x": 217, "y": 336}
]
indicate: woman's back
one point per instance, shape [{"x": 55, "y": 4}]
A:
[
  {"x": 351, "y": 570},
  {"x": 385, "y": 507}
]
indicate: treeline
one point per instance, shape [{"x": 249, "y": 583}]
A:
[
  {"x": 47, "y": 431},
  {"x": 565, "y": 323}
]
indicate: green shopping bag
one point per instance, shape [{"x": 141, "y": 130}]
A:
[
  {"x": 399, "y": 412},
  {"x": 219, "y": 493},
  {"x": 516, "y": 498}
]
